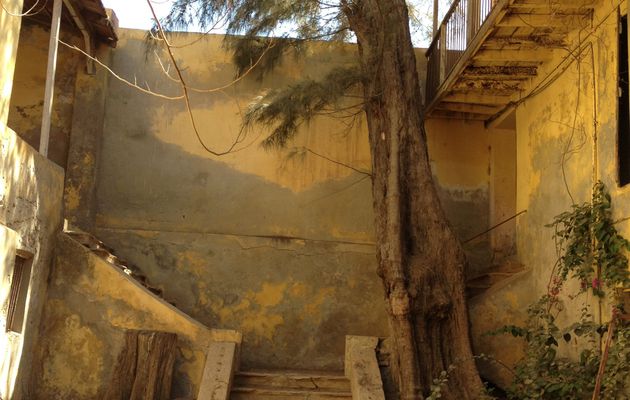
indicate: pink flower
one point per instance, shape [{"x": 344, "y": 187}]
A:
[{"x": 595, "y": 283}]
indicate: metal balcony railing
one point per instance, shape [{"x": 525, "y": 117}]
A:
[{"x": 460, "y": 25}]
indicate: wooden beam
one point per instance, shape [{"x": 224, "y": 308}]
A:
[
  {"x": 505, "y": 63},
  {"x": 144, "y": 370},
  {"x": 556, "y": 21},
  {"x": 476, "y": 98},
  {"x": 496, "y": 119},
  {"x": 570, "y": 4},
  {"x": 435, "y": 17},
  {"x": 540, "y": 55},
  {"x": 442, "y": 114},
  {"x": 53, "y": 44},
  {"x": 473, "y": 84},
  {"x": 483, "y": 109},
  {"x": 525, "y": 43},
  {"x": 499, "y": 71}
]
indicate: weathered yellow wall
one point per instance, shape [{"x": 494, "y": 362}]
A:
[
  {"x": 25, "y": 116},
  {"x": 474, "y": 169},
  {"x": 565, "y": 141},
  {"x": 9, "y": 38},
  {"x": 90, "y": 305},
  {"x": 30, "y": 214},
  {"x": 30, "y": 210},
  {"x": 502, "y": 194},
  {"x": 85, "y": 144},
  {"x": 276, "y": 244}
]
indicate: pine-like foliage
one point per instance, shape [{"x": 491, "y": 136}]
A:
[
  {"x": 261, "y": 33},
  {"x": 287, "y": 108},
  {"x": 250, "y": 22},
  {"x": 420, "y": 260}
]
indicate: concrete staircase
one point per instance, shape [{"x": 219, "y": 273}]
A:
[
  {"x": 480, "y": 284},
  {"x": 220, "y": 381},
  {"x": 106, "y": 253},
  {"x": 289, "y": 385}
]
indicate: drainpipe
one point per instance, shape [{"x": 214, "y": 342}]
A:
[
  {"x": 84, "y": 31},
  {"x": 50, "y": 78}
]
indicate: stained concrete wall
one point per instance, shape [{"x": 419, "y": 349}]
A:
[
  {"x": 566, "y": 140},
  {"x": 474, "y": 169},
  {"x": 90, "y": 306},
  {"x": 277, "y": 244},
  {"x": 9, "y": 37},
  {"x": 85, "y": 144},
  {"x": 30, "y": 211},
  {"x": 27, "y": 98},
  {"x": 30, "y": 214}
]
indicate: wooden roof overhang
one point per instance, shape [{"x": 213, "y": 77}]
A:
[
  {"x": 486, "y": 52},
  {"x": 100, "y": 23}
]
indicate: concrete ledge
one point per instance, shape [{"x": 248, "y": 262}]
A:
[
  {"x": 361, "y": 368},
  {"x": 218, "y": 372}
]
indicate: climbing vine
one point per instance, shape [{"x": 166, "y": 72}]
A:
[
  {"x": 589, "y": 245},
  {"x": 593, "y": 252}
]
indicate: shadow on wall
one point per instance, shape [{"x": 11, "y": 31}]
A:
[
  {"x": 237, "y": 251},
  {"x": 25, "y": 115},
  {"x": 9, "y": 34},
  {"x": 282, "y": 250},
  {"x": 211, "y": 246},
  {"x": 30, "y": 207}
]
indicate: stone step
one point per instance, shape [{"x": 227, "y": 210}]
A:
[
  {"x": 281, "y": 385},
  {"x": 253, "y": 392},
  {"x": 488, "y": 279},
  {"x": 312, "y": 380},
  {"x": 481, "y": 283}
]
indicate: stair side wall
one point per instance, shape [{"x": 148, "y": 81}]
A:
[{"x": 90, "y": 304}]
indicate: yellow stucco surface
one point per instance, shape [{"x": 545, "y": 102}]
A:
[
  {"x": 459, "y": 153},
  {"x": 566, "y": 141},
  {"x": 9, "y": 36},
  {"x": 30, "y": 214},
  {"x": 81, "y": 342},
  {"x": 566, "y": 138},
  {"x": 25, "y": 115}
]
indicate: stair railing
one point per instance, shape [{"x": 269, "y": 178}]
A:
[{"x": 458, "y": 28}]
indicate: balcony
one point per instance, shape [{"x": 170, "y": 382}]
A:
[{"x": 486, "y": 52}]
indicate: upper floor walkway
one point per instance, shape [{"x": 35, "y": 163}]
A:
[{"x": 486, "y": 52}]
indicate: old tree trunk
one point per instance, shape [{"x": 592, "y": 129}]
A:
[{"x": 420, "y": 260}]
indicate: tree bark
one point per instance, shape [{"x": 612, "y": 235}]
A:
[{"x": 420, "y": 260}]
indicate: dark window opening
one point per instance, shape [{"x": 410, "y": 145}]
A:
[
  {"x": 18, "y": 293},
  {"x": 623, "y": 135}
]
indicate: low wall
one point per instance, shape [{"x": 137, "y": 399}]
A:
[
  {"x": 30, "y": 213},
  {"x": 90, "y": 305}
]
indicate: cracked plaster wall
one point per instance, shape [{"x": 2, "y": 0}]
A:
[
  {"x": 277, "y": 244},
  {"x": 30, "y": 213},
  {"x": 576, "y": 116},
  {"x": 27, "y": 98},
  {"x": 89, "y": 307}
]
